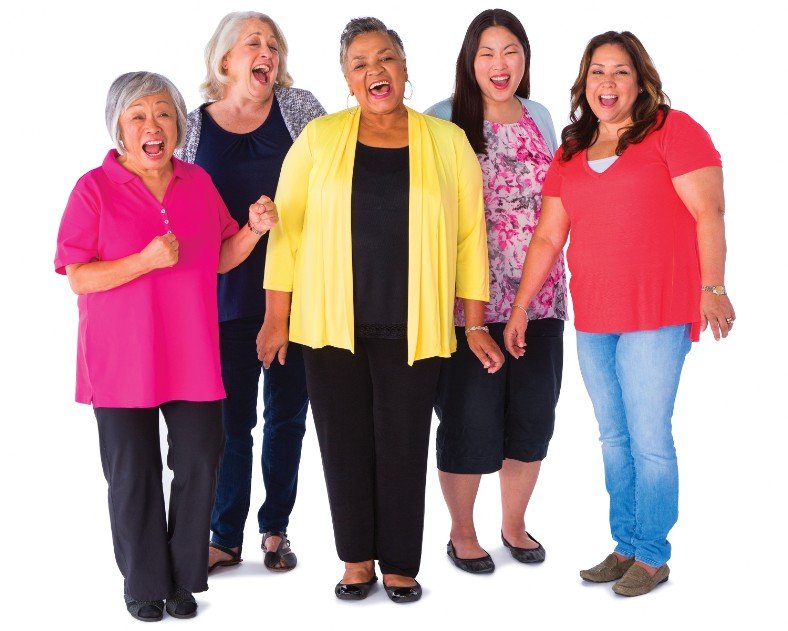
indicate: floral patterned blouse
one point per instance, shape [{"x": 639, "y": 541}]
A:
[{"x": 514, "y": 167}]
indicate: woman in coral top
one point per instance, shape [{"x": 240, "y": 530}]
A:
[{"x": 640, "y": 187}]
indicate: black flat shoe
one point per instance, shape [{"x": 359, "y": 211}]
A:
[
  {"x": 283, "y": 558},
  {"x": 481, "y": 565},
  {"x": 524, "y": 555},
  {"x": 403, "y": 594},
  {"x": 182, "y": 604},
  {"x": 354, "y": 591},
  {"x": 144, "y": 610}
]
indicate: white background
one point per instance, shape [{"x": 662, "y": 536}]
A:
[{"x": 718, "y": 62}]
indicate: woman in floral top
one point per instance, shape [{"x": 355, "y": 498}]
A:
[{"x": 503, "y": 421}]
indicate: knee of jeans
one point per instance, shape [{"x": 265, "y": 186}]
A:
[{"x": 654, "y": 445}]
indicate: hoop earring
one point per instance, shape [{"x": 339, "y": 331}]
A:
[
  {"x": 347, "y": 100},
  {"x": 410, "y": 96}
]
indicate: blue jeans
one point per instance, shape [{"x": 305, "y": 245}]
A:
[
  {"x": 285, "y": 399},
  {"x": 632, "y": 379}
]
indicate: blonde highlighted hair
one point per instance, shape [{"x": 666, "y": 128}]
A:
[{"x": 223, "y": 39}]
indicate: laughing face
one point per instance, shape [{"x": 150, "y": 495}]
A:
[
  {"x": 252, "y": 63},
  {"x": 375, "y": 73},
  {"x": 611, "y": 85},
  {"x": 149, "y": 131},
  {"x": 499, "y": 64}
]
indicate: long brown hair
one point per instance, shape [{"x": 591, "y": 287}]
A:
[
  {"x": 648, "y": 113},
  {"x": 467, "y": 109}
]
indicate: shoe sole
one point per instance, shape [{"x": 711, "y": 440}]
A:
[
  {"x": 599, "y": 581},
  {"x": 639, "y": 593}
]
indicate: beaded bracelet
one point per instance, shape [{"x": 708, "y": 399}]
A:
[
  {"x": 259, "y": 233},
  {"x": 478, "y": 327}
]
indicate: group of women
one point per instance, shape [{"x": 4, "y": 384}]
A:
[{"x": 403, "y": 254}]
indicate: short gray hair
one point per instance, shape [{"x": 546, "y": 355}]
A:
[
  {"x": 131, "y": 86},
  {"x": 359, "y": 26},
  {"x": 223, "y": 39}
]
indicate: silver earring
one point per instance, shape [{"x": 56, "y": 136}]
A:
[
  {"x": 122, "y": 146},
  {"x": 347, "y": 100},
  {"x": 410, "y": 96}
]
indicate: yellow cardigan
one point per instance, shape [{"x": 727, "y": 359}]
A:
[{"x": 310, "y": 249}]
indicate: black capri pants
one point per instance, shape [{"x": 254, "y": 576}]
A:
[{"x": 510, "y": 414}]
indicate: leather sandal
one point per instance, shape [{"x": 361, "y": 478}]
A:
[
  {"x": 235, "y": 557},
  {"x": 144, "y": 610},
  {"x": 283, "y": 558}
]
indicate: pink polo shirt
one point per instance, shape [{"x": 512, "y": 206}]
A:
[{"x": 156, "y": 338}]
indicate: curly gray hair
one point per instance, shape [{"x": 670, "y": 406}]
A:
[{"x": 359, "y": 26}]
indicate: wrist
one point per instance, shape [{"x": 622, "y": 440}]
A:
[
  {"x": 476, "y": 327},
  {"x": 255, "y": 231},
  {"x": 519, "y": 308},
  {"x": 717, "y": 290}
]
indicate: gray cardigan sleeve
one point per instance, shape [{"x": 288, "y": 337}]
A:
[{"x": 298, "y": 108}]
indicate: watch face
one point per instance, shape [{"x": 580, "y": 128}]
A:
[{"x": 719, "y": 290}]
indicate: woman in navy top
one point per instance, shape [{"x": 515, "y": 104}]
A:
[{"x": 241, "y": 136}]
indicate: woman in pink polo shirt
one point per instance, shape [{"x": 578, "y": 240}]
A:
[
  {"x": 640, "y": 187},
  {"x": 141, "y": 241}
]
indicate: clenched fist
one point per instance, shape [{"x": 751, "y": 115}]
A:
[
  {"x": 262, "y": 214},
  {"x": 161, "y": 252}
]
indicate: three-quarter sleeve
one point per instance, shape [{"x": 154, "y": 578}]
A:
[
  {"x": 77, "y": 239},
  {"x": 473, "y": 270},
  {"x": 291, "y": 197}
]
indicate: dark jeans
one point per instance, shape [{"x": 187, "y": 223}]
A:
[
  {"x": 284, "y": 418},
  {"x": 372, "y": 416},
  {"x": 154, "y": 552}
]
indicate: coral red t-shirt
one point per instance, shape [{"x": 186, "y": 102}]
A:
[{"x": 633, "y": 251}]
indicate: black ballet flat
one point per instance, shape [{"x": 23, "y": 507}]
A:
[
  {"x": 480, "y": 565},
  {"x": 524, "y": 555},
  {"x": 403, "y": 594},
  {"x": 354, "y": 591}
]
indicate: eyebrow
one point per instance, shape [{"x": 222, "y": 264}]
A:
[
  {"x": 156, "y": 103},
  {"x": 596, "y": 63},
  {"x": 382, "y": 50},
  {"x": 507, "y": 46}
]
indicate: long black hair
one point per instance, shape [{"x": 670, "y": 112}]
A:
[{"x": 468, "y": 107}]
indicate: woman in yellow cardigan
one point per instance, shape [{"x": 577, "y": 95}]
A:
[{"x": 372, "y": 305}]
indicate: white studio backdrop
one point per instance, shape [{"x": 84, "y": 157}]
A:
[{"x": 718, "y": 62}]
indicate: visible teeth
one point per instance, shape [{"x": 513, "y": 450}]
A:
[
  {"x": 500, "y": 78},
  {"x": 154, "y": 142},
  {"x": 609, "y": 96},
  {"x": 262, "y": 67},
  {"x": 378, "y": 84}
]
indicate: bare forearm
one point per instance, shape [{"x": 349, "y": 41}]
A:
[
  {"x": 277, "y": 305},
  {"x": 236, "y": 249},
  {"x": 87, "y": 278},
  {"x": 540, "y": 259},
  {"x": 474, "y": 312},
  {"x": 711, "y": 247}
]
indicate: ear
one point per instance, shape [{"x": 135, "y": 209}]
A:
[
  {"x": 405, "y": 68},
  {"x": 224, "y": 63},
  {"x": 349, "y": 87}
]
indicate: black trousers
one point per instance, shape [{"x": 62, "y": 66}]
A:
[
  {"x": 155, "y": 553},
  {"x": 372, "y": 415}
]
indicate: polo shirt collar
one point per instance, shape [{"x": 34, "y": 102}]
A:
[{"x": 121, "y": 175}]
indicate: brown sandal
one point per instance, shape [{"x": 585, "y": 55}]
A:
[
  {"x": 235, "y": 557},
  {"x": 282, "y": 554}
]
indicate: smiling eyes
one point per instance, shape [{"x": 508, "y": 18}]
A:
[
  {"x": 361, "y": 65},
  {"x": 508, "y": 52},
  {"x": 257, "y": 43},
  {"x": 140, "y": 117},
  {"x": 621, "y": 72}
]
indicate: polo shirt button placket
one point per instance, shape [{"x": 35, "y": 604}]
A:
[{"x": 166, "y": 220}]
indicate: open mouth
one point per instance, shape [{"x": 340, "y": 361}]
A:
[
  {"x": 261, "y": 73},
  {"x": 380, "y": 89},
  {"x": 154, "y": 148},
  {"x": 501, "y": 81},
  {"x": 608, "y": 100}
]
